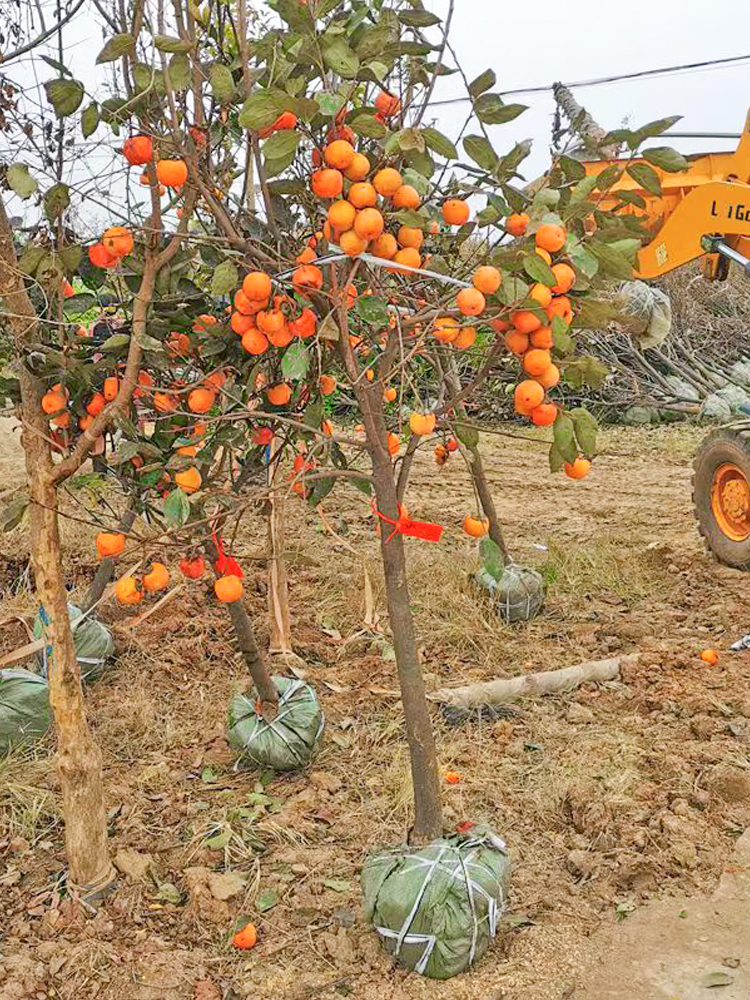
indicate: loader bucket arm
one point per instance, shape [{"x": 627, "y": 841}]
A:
[{"x": 719, "y": 208}]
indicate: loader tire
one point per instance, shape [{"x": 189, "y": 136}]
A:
[{"x": 721, "y": 494}]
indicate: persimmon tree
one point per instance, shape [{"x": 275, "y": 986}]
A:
[{"x": 289, "y": 257}]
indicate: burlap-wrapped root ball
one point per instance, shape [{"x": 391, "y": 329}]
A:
[
  {"x": 24, "y": 707},
  {"x": 518, "y": 596},
  {"x": 289, "y": 741},
  {"x": 437, "y": 907}
]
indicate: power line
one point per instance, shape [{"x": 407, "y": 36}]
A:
[{"x": 598, "y": 81}]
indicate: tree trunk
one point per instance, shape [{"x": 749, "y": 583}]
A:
[
  {"x": 278, "y": 592},
  {"x": 107, "y": 566},
  {"x": 246, "y": 644},
  {"x": 428, "y": 812},
  {"x": 256, "y": 664},
  {"x": 78, "y": 760},
  {"x": 477, "y": 472}
]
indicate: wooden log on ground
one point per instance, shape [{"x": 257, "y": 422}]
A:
[{"x": 548, "y": 682}]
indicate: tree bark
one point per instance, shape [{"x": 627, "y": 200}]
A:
[
  {"x": 245, "y": 636},
  {"x": 107, "y": 566},
  {"x": 547, "y": 682},
  {"x": 428, "y": 812},
  {"x": 278, "y": 591},
  {"x": 78, "y": 760},
  {"x": 256, "y": 664},
  {"x": 476, "y": 470}
]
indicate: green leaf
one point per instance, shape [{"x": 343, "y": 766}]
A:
[
  {"x": 90, "y": 120},
  {"x": 224, "y": 279},
  {"x": 222, "y": 83},
  {"x": 563, "y": 431},
  {"x": 65, "y": 96},
  {"x": 492, "y": 557},
  {"x": 341, "y": 59},
  {"x": 13, "y": 512},
  {"x": 295, "y": 362},
  {"x": 490, "y": 109},
  {"x": 586, "y": 428},
  {"x": 167, "y": 43},
  {"x": 410, "y": 217},
  {"x": 313, "y": 413},
  {"x": 609, "y": 176},
  {"x": 564, "y": 344},
  {"x": 179, "y": 71},
  {"x": 78, "y": 304},
  {"x": 329, "y": 104},
  {"x": 418, "y": 18},
  {"x": 538, "y": 269},
  {"x": 31, "y": 258},
  {"x": 320, "y": 488},
  {"x": 266, "y": 900},
  {"x": 261, "y": 109},
  {"x": 594, "y": 314},
  {"x": 573, "y": 170},
  {"x": 116, "y": 47},
  {"x": 176, "y": 508},
  {"x": 614, "y": 264},
  {"x": 630, "y": 198},
  {"x": 368, "y": 125},
  {"x": 375, "y": 40},
  {"x": 583, "y": 189},
  {"x": 116, "y": 342},
  {"x": 556, "y": 461},
  {"x": 512, "y": 291},
  {"x": 467, "y": 435},
  {"x": 363, "y": 485},
  {"x": 713, "y": 979},
  {"x": 421, "y": 162},
  {"x": 645, "y": 177},
  {"x": 481, "y": 152},
  {"x": 666, "y": 158},
  {"x": 219, "y": 841},
  {"x": 20, "y": 180},
  {"x": 654, "y": 128},
  {"x": 281, "y": 144},
  {"x": 372, "y": 309},
  {"x": 337, "y": 884},
  {"x": 56, "y": 200},
  {"x": 581, "y": 258},
  {"x": 483, "y": 82},
  {"x": 439, "y": 143},
  {"x": 487, "y": 216},
  {"x": 169, "y": 893},
  {"x": 586, "y": 370},
  {"x": 49, "y": 270},
  {"x": 512, "y": 160}
]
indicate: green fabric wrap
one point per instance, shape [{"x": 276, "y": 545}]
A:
[
  {"x": 93, "y": 642},
  {"x": 285, "y": 743},
  {"x": 436, "y": 907},
  {"x": 24, "y": 707},
  {"x": 518, "y": 596}
]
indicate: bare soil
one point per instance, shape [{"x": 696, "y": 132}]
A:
[{"x": 609, "y": 797}]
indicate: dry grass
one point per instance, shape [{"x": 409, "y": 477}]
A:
[
  {"x": 550, "y": 784},
  {"x": 28, "y": 806}
]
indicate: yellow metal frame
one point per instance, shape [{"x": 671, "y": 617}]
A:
[{"x": 710, "y": 198}]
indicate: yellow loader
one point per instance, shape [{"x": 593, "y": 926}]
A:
[{"x": 704, "y": 212}]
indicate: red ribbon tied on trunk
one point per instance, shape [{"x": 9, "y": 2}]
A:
[
  {"x": 225, "y": 565},
  {"x": 426, "y": 530}
]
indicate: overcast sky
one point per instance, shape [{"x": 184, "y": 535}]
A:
[
  {"x": 536, "y": 43},
  {"x": 531, "y": 44}
]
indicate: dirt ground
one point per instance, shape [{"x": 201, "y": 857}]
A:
[{"x": 609, "y": 797}]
